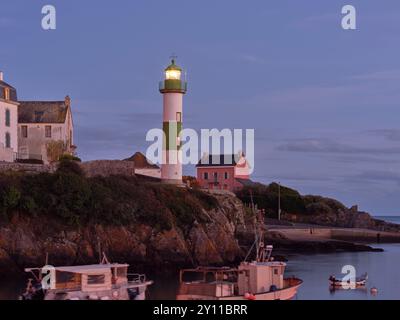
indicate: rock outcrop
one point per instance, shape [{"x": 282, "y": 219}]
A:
[{"x": 25, "y": 241}]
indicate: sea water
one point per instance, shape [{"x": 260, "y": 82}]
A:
[{"x": 313, "y": 269}]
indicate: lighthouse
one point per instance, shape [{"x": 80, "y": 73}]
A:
[{"x": 172, "y": 87}]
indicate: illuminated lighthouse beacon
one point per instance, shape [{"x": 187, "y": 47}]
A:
[{"x": 173, "y": 87}]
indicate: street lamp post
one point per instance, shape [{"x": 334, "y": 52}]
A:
[{"x": 279, "y": 201}]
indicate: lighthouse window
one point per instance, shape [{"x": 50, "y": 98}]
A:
[
  {"x": 205, "y": 175},
  {"x": 226, "y": 176},
  {"x": 179, "y": 117}
]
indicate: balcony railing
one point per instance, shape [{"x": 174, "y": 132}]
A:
[
  {"x": 28, "y": 158},
  {"x": 136, "y": 278},
  {"x": 173, "y": 85}
]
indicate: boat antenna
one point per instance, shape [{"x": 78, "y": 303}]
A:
[
  {"x": 47, "y": 259},
  {"x": 105, "y": 259}
]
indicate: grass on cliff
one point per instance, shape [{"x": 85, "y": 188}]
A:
[
  {"x": 266, "y": 197},
  {"x": 118, "y": 200}
]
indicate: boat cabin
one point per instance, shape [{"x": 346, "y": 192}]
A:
[
  {"x": 254, "y": 277},
  {"x": 88, "y": 278},
  {"x": 210, "y": 282},
  {"x": 260, "y": 277}
]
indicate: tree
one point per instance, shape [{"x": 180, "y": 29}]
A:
[{"x": 55, "y": 149}]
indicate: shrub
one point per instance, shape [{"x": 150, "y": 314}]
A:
[
  {"x": 267, "y": 197},
  {"x": 68, "y": 166},
  {"x": 11, "y": 197},
  {"x": 70, "y": 157},
  {"x": 69, "y": 196}
]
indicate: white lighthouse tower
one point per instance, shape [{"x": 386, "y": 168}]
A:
[{"x": 173, "y": 87}]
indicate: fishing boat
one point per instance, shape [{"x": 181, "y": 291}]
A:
[
  {"x": 257, "y": 280},
  {"x": 261, "y": 279},
  {"x": 348, "y": 284},
  {"x": 104, "y": 281}
]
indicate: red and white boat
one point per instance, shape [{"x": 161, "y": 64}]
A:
[{"x": 258, "y": 280}]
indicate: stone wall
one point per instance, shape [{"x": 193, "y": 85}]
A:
[
  {"x": 106, "y": 168},
  {"x": 102, "y": 168},
  {"x": 27, "y": 167}
]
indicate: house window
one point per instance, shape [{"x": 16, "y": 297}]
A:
[
  {"x": 24, "y": 131},
  {"x": 215, "y": 176},
  {"x": 6, "y": 93},
  {"x": 179, "y": 117},
  {"x": 38, "y": 116},
  {"x": 47, "y": 131},
  {"x": 226, "y": 175},
  {"x": 8, "y": 118},
  {"x": 8, "y": 140},
  {"x": 205, "y": 175}
]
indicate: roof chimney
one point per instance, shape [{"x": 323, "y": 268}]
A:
[
  {"x": 1, "y": 75},
  {"x": 68, "y": 101}
]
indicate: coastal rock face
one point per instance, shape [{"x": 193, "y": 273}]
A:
[
  {"x": 25, "y": 241},
  {"x": 344, "y": 218}
]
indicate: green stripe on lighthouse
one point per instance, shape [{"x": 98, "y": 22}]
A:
[{"x": 172, "y": 131}]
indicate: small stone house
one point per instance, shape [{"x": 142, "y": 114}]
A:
[
  {"x": 43, "y": 124},
  {"x": 33, "y": 130}
]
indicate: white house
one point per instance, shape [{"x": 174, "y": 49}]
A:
[
  {"x": 43, "y": 122},
  {"x": 8, "y": 121}
]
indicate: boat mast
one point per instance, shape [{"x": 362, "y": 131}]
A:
[{"x": 261, "y": 251}]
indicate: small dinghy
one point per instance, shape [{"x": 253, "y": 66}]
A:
[{"x": 348, "y": 284}]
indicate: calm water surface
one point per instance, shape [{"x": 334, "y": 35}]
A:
[{"x": 382, "y": 268}]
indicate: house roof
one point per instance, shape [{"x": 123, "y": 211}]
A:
[
  {"x": 13, "y": 91},
  {"x": 218, "y": 160},
  {"x": 6, "y": 85},
  {"x": 42, "y": 111},
  {"x": 141, "y": 162}
]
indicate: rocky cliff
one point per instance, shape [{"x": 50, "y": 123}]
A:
[
  {"x": 25, "y": 241},
  {"x": 71, "y": 217}
]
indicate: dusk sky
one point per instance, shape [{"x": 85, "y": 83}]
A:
[{"x": 324, "y": 102}]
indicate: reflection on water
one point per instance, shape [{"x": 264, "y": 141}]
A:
[
  {"x": 382, "y": 268},
  {"x": 10, "y": 289}
]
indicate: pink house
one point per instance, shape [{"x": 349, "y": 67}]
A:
[{"x": 223, "y": 172}]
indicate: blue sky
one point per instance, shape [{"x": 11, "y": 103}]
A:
[{"x": 324, "y": 102}]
